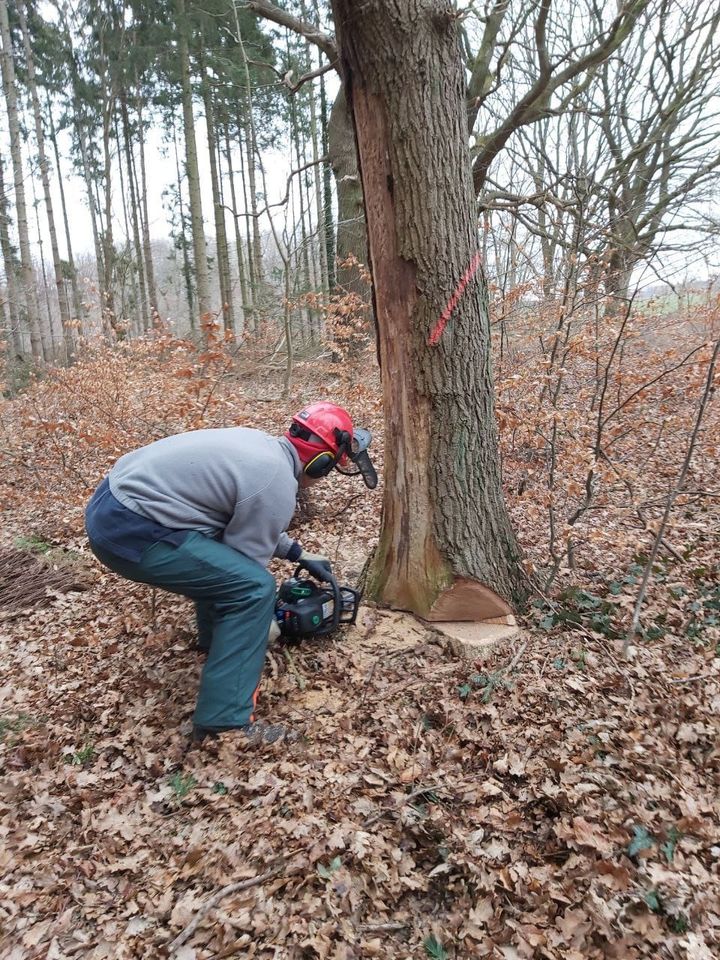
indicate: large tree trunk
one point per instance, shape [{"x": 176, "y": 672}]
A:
[{"x": 447, "y": 548}]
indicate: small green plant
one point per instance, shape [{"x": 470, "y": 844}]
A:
[
  {"x": 220, "y": 788},
  {"x": 641, "y": 841},
  {"x": 182, "y": 784},
  {"x": 33, "y": 544},
  {"x": 652, "y": 899},
  {"x": 668, "y": 848},
  {"x": 85, "y": 755},
  {"x": 327, "y": 871},
  {"x": 679, "y": 923},
  {"x": 434, "y": 949}
]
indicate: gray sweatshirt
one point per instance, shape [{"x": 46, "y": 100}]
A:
[{"x": 235, "y": 484}]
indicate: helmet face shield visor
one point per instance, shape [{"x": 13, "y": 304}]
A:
[{"x": 361, "y": 458}]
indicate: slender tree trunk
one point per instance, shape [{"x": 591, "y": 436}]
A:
[
  {"x": 447, "y": 548},
  {"x": 13, "y": 312},
  {"x": 302, "y": 266},
  {"x": 41, "y": 348},
  {"x": 316, "y": 136},
  {"x": 221, "y": 246},
  {"x": 93, "y": 205},
  {"x": 202, "y": 282},
  {"x": 251, "y": 144},
  {"x": 48, "y": 330},
  {"x": 254, "y": 289},
  {"x": 141, "y": 189},
  {"x": 95, "y": 226},
  {"x": 145, "y": 309},
  {"x": 107, "y": 235},
  {"x": 327, "y": 191},
  {"x": 187, "y": 266},
  {"x": 242, "y": 274},
  {"x": 256, "y": 254},
  {"x": 76, "y": 298},
  {"x": 64, "y": 306}
]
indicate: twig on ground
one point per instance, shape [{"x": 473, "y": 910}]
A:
[
  {"x": 293, "y": 669},
  {"x": 514, "y": 662},
  {"x": 216, "y": 898},
  {"x": 698, "y": 676},
  {"x": 342, "y": 510}
]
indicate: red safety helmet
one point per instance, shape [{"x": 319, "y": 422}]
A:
[{"x": 324, "y": 437}]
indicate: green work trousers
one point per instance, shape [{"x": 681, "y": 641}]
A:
[{"x": 234, "y": 601}]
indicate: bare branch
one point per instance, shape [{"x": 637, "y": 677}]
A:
[{"x": 304, "y": 28}]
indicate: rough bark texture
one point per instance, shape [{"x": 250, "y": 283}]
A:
[
  {"x": 351, "y": 230},
  {"x": 445, "y": 526}
]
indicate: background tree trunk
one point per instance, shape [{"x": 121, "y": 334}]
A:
[
  {"x": 12, "y": 310},
  {"x": 41, "y": 348},
  {"x": 202, "y": 283},
  {"x": 351, "y": 230},
  {"x": 447, "y": 549},
  {"x": 67, "y": 331}
]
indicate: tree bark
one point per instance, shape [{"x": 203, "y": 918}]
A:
[
  {"x": 41, "y": 349},
  {"x": 141, "y": 188},
  {"x": 12, "y": 306},
  {"x": 242, "y": 275},
  {"x": 69, "y": 264},
  {"x": 202, "y": 283},
  {"x": 144, "y": 311},
  {"x": 181, "y": 237},
  {"x": 221, "y": 244},
  {"x": 67, "y": 331},
  {"x": 447, "y": 549},
  {"x": 351, "y": 230}
]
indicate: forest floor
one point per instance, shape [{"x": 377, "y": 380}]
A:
[{"x": 557, "y": 800}]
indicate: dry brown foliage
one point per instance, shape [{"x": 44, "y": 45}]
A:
[{"x": 566, "y": 808}]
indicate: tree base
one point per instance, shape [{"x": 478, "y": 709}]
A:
[{"x": 478, "y": 641}]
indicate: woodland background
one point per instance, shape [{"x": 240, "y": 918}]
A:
[{"x": 558, "y": 800}]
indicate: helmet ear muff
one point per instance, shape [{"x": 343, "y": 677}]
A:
[{"x": 319, "y": 466}]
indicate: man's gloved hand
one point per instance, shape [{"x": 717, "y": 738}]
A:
[{"x": 316, "y": 565}]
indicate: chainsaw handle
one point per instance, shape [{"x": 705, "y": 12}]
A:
[{"x": 337, "y": 599}]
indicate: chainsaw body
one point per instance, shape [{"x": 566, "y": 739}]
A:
[{"x": 304, "y": 608}]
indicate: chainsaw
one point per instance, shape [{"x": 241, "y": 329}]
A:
[{"x": 305, "y": 609}]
